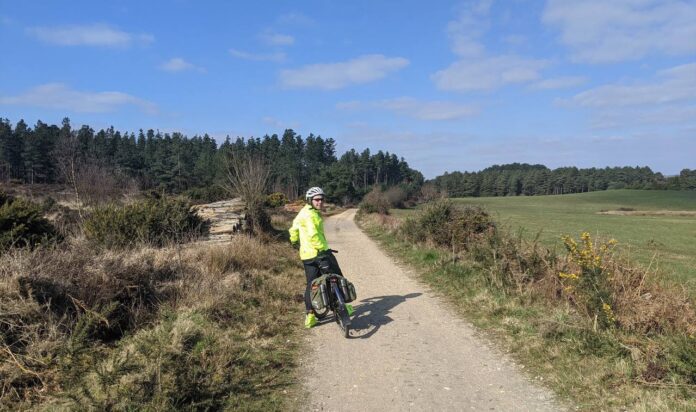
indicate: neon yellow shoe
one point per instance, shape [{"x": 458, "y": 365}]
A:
[
  {"x": 310, "y": 320},
  {"x": 350, "y": 309}
]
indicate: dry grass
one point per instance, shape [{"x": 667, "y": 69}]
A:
[{"x": 194, "y": 327}]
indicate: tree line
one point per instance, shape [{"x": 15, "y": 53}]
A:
[
  {"x": 175, "y": 163},
  {"x": 524, "y": 179}
]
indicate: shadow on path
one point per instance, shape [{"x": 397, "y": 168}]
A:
[{"x": 373, "y": 313}]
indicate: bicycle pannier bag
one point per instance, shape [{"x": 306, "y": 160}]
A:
[
  {"x": 318, "y": 293},
  {"x": 348, "y": 290}
]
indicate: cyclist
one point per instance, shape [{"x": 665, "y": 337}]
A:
[{"x": 308, "y": 229}]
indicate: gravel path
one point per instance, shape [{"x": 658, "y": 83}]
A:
[{"x": 407, "y": 352}]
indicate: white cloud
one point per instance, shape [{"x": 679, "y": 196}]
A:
[
  {"x": 295, "y": 19},
  {"x": 600, "y": 31},
  {"x": 422, "y": 110},
  {"x": 332, "y": 76},
  {"x": 61, "y": 97},
  {"x": 177, "y": 64},
  {"x": 271, "y": 57},
  {"x": 516, "y": 40},
  {"x": 88, "y": 35},
  {"x": 272, "y": 121},
  {"x": 278, "y": 124},
  {"x": 559, "y": 82},
  {"x": 675, "y": 84},
  {"x": 476, "y": 68},
  {"x": 643, "y": 117},
  {"x": 488, "y": 73},
  {"x": 277, "y": 39},
  {"x": 470, "y": 26},
  {"x": 667, "y": 99}
]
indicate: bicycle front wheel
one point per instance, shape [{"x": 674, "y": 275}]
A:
[
  {"x": 321, "y": 314},
  {"x": 344, "y": 321}
]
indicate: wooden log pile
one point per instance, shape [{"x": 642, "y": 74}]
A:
[{"x": 226, "y": 218}]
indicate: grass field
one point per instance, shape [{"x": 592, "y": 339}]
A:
[{"x": 668, "y": 238}]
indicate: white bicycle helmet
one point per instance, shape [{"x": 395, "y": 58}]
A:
[{"x": 313, "y": 191}]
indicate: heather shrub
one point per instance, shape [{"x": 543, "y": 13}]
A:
[{"x": 153, "y": 221}]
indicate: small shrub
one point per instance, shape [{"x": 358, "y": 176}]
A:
[
  {"x": 22, "y": 224},
  {"x": 48, "y": 204},
  {"x": 154, "y": 221},
  {"x": 276, "y": 199},
  {"x": 375, "y": 202},
  {"x": 681, "y": 357},
  {"x": 412, "y": 230},
  {"x": 429, "y": 193},
  {"x": 442, "y": 224},
  {"x": 435, "y": 221},
  {"x": 396, "y": 196}
]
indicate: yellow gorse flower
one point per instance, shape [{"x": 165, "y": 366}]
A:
[
  {"x": 608, "y": 312},
  {"x": 570, "y": 276},
  {"x": 588, "y": 282}
]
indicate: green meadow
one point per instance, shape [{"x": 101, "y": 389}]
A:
[{"x": 660, "y": 237}]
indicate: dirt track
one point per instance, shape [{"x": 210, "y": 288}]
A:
[{"x": 407, "y": 351}]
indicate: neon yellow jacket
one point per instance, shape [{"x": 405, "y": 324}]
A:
[{"x": 308, "y": 228}]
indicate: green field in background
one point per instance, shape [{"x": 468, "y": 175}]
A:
[{"x": 671, "y": 240}]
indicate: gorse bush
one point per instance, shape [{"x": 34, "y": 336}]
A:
[
  {"x": 588, "y": 285},
  {"x": 184, "y": 360},
  {"x": 442, "y": 224},
  {"x": 276, "y": 199},
  {"x": 153, "y": 221},
  {"x": 22, "y": 224}
]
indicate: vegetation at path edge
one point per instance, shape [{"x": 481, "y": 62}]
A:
[
  {"x": 600, "y": 331},
  {"x": 149, "y": 326},
  {"x": 664, "y": 240},
  {"x": 660, "y": 240}
]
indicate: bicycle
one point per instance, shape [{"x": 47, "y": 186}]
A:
[{"x": 336, "y": 303}]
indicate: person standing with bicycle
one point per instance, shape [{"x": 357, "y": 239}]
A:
[{"x": 307, "y": 232}]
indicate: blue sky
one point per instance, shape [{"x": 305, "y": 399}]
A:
[{"x": 451, "y": 85}]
